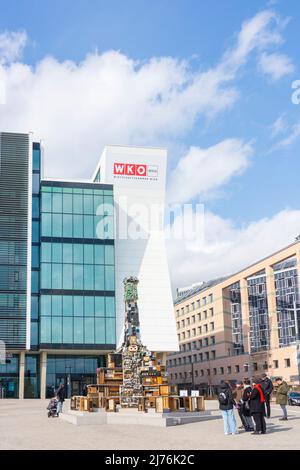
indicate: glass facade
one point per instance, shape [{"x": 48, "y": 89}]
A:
[
  {"x": 287, "y": 301},
  {"x": 14, "y": 195},
  {"x": 73, "y": 371},
  {"x": 77, "y": 281},
  {"x": 236, "y": 318},
  {"x": 9, "y": 378},
  {"x": 35, "y": 246},
  {"x": 258, "y": 312},
  {"x": 31, "y": 376}
]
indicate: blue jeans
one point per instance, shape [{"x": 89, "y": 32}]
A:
[
  {"x": 284, "y": 410},
  {"x": 229, "y": 421},
  {"x": 59, "y": 407}
]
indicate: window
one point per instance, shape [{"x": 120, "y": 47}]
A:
[
  {"x": 35, "y": 282},
  {"x": 199, "y": 316},
  {"x": 229, "y": 370},
  {"x": 211, "y": 311},
  {"x": 215, "y": 371},
  {"x": 193, "y": 319},
  {"x": 237, "y": 369},
  {"x": 35, "y": 253},
  {"x": 202, "y": 372},
  {"x": 222, "y": 370},
  {"x": 275, "y": 364},
  {"x": 35, "y": 232},
  {"x": 212, "y": 326},
  {"x": 205, "y": 314},
  {"x": 213, "y": 340},
  {"x": 205, "y": 328},
  {"x": 287, "y": 362},
  {"x": 207, "y": 356},
  {"x": 213, "y": 355}
]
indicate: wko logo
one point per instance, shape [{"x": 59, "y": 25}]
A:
[{"x": 130, "y": 169}]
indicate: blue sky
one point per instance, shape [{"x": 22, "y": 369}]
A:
[{"x": 262, "y": 188}]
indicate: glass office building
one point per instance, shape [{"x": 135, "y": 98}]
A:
[{"x": 64, "y": 232}]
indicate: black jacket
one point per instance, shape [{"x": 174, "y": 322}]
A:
[
  {"x": 267, "y": 386},
  {"x": 61, "y": 394},
  {"x": 225, "y": 388},
  {"x": 246, "y": 400},
  {"x": 255, "y": 404}
]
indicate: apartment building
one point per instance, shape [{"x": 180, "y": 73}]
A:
[{"x": 240, "y": 326}]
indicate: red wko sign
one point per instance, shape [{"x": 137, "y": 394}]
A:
[{"x": 133, "y": 169}]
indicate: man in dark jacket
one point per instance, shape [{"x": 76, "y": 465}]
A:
[
  {"x": 60, "y": 395},
  {"x": 267, "y": 386},
  {"x": 246, "y": 406},
  {"x": 257, "y": 408},
  {"x": 226, "y": 405}
]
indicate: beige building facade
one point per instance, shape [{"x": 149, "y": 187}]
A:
[{"x": 240, "y": 326}]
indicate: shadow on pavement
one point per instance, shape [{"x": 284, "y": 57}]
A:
[{"x": 276, "y": 429}]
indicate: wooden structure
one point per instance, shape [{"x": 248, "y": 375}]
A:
[{"x": 134, "y": 377}]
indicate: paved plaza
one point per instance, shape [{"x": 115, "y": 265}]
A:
[{"x": 24, "y": 425}]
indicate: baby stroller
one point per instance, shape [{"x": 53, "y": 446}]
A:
[{"x": 52, "y": 408}]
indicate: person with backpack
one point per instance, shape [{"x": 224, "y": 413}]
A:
[
  {"x": 246, "y": 406},
  {"x": 226, "y": 405},
  {"x": 257, "y": 407},
  {"x": 267, "y": 386}
]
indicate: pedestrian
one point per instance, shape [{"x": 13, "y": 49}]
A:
[
  {"x": 257, "y": 407},
  {"x": 85, "y": 390},
  {"x": 60, "y": 395},
  {"x": 267, "y": 386},
  {"x": 282, "y": 396},
  {"x": 238, "y": 395},
  {"x": 246, "y": 406},
  {"x": 226, "y": 405}
]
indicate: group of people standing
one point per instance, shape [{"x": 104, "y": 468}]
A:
[{"x": 253, "y": 403}]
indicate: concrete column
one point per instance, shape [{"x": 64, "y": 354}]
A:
[
  {"x": 43, "y": 372},
  {"x": 21, "y": 374}
]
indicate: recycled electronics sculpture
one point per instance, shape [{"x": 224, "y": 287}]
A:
[{"x": 136, "y": 359}]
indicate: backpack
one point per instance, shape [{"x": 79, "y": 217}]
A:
[{"x": 223, "y": 398}]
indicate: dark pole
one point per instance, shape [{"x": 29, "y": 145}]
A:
[{"x": 193, "y": 378}]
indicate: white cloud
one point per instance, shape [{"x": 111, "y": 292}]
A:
[
  {"x": 278, "y": 126},
  {"x": 77, "y": 108},
  {"x": 291, "y": 138},
  {"x": 228, "y": 249},
  {"x": 202, "y": 171},
  {"x": 11, "y": 46},
  {"x": 275, "y": 65}
]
